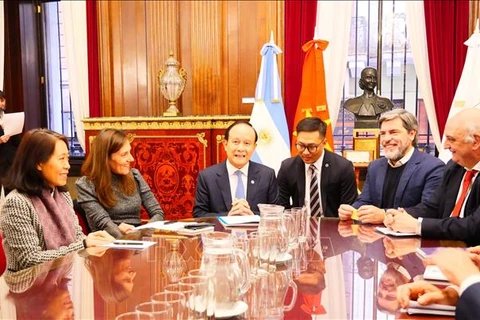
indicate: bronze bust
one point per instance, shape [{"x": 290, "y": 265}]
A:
[{"x": 368, "y": 107}]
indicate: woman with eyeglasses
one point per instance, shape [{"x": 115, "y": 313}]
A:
[{"x": 37, "y": 220}]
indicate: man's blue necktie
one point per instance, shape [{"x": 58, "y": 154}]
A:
[{"x": 240, "y": 192}]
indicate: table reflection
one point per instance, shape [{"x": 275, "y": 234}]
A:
[
  {"x": 42, "y": 291},
  {"x": 343, "y": 271}
]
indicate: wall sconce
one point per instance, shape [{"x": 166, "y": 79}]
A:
[{"x": 172, "y": 82}]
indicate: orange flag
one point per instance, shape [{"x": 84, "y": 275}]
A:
[{"x": 313, "y": 95}]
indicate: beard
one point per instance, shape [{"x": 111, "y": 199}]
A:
[{"x": 396, "y": 154}]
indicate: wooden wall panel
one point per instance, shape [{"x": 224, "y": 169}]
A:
[
  {"x": 206, "y": 57},
  {"x": 163, "y": 36},
  {"x": 474, "y": 15},
  {"x": 217, "y": 42}
]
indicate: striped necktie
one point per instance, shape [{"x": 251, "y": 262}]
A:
[{"x": 315, "y": 206}]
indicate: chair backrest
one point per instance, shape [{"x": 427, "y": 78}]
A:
[{"x": 82, "y": 217}]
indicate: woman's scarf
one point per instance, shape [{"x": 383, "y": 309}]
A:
[{"x": 56, "y": 219}]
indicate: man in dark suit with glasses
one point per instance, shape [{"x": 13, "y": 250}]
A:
[{"x": 322, "y": 178}]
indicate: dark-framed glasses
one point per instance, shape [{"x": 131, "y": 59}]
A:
[{"x": 312, "y": 148}]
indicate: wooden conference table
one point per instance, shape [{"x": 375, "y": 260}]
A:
[{"x": 360, "y": 268}]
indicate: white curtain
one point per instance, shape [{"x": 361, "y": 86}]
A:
[
  {"x": 468, "y": 89},
  {"x": 75, "y": 30},
  {"x": 333, "y": 25},
  {"x": 2, "y": 44},
  {"x": 418, "y": 40}
]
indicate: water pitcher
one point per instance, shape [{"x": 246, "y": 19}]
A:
[{"x": 227, "y": 265}]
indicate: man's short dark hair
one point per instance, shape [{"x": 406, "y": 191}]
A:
[
  {"x": 227, "y": 132},
  {"x": 311, "y": 124}
]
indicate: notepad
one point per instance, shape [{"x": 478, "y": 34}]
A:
[
  {"x": 434, "y": 273},
  {"x": 239, "y": 221},
  {"x": 129, "y": 244},
  {"x": 424, "y": 252},
  {"x": 163, "y": 225},
  {"x": 390, "y": 232},
  {"x": 432, "y": 309}
]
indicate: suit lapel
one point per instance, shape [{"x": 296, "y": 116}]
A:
[
  {"x": 223, "y": 183},
  {"x": 405, "y": 177},
  {"x": 325, "y": 177},
  {"x": 300, "y": 175},
  {"x": 455, "y": 179},
  {"x": 252, "y": 181},
  {"x": 382, "y": 173}
]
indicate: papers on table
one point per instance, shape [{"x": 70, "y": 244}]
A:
[
  {"x": 424, "y": 252},
  {"x": 13, "y": 123},
  {"x": 433, "y": 273},
  {"x": 239, "y": 221},
  {"x": 432, "y": 309},
  {"x": 129, "y": 244},
  {"x": 390, "y": 232},
  {"x": 163, "y": 225},
  {"x": 184, "y": 228}
]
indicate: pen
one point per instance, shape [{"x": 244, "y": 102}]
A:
[
  {"x": 169, "y": 222},
  {"x": 128, "y": 243}
]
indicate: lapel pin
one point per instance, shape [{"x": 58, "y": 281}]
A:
[
  {"x": 252, "y": 181},
  {"x": 327, "y": 165}
]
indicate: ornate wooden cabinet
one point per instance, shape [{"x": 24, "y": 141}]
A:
[{"x": 170, "y": 152}]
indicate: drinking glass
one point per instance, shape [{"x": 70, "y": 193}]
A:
[
  {"x": 203, "y": 296},
  {"x": 159, "y": 310},
  {"x": 176, "y": 300},
  {"x": 187, "y": 290},
  {"x": 300, "y": 215},
  {"x": 291, "y": 228},
  {"x": 195, "y": 272},
  {"x": 135, "y": 316}
]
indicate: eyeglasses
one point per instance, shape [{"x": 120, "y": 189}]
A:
[{"x": 312, "y": 148}]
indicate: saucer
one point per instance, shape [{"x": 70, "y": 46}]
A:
[
  {"x": 238, "y": 308},
  {"x": 284, "y": 257}
]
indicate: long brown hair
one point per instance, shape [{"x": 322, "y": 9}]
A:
[
  {"x": 37, "y": 146},
  {"x": 97, "y": 168}
]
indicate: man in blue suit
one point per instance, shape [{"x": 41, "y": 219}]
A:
[
  {"x": 237, "y": 185},
  {"x": 403, "y": 178}
]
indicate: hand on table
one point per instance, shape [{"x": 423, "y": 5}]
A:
[
  {"x": 455, "y": 263},
  {"x": 240, "y": 207},
  {"x": 400, "y": 220},
  {"x": 371, "y": 214},
  {"x": 126, "y": 228},
  {"x": 98, "y": 238},
  {"x": 345, "y": 212},
  {"x": 425, "y": 293},
  {"x": 474, "y": 253}
]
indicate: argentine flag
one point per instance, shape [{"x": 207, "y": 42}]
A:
[{"x": 268, "y": 115}]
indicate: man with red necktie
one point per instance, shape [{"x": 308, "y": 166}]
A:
[{"x": 454, "y": 210}]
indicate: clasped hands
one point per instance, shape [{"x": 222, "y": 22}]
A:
[
  {"x": 240, "y": 207},
  {"x": 397, "y": 220},
  {"x": 366, "y": 213}
]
